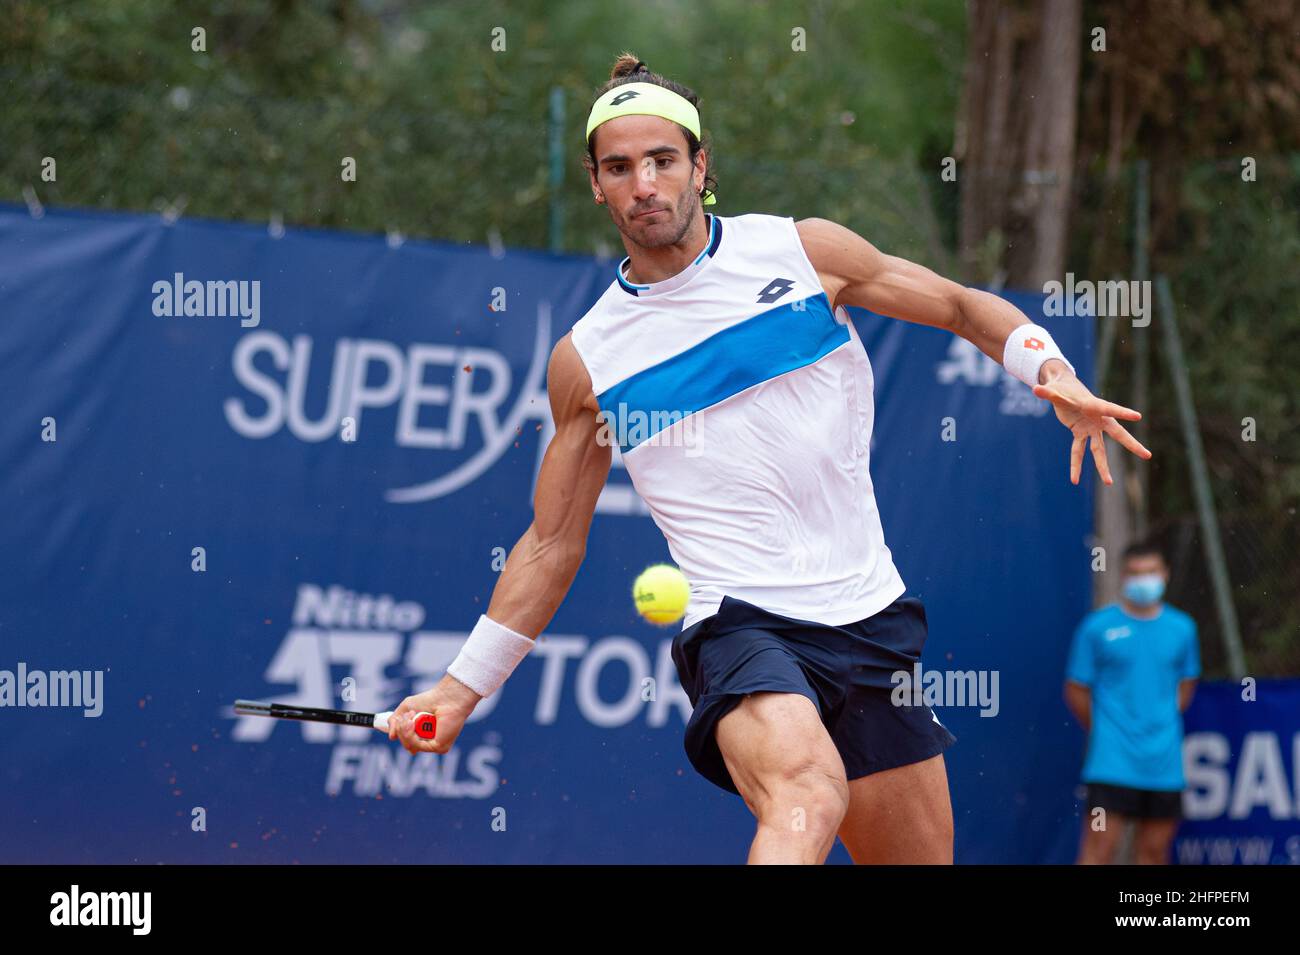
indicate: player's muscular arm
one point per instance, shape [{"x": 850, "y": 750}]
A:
[
  {"x": 543, "y": 563},
  {"x": 854, "y": 272}
]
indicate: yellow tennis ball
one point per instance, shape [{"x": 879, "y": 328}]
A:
[{"x": 660, "y": 594}]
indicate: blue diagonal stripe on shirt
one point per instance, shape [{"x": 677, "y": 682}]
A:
[{"x": 741, "y": 356}]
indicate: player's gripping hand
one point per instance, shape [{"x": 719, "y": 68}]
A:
[
  {"x": 451, "y": 702},
  {"x": 1088, "y": 418}
]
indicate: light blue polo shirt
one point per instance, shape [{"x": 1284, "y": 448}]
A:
[{"x": 1133, "y": 668}]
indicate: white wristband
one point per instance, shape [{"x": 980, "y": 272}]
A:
[
  {"x": 1028, "y": 346},
  {"x": 489, "y": 656}
]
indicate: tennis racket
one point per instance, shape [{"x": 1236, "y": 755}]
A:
[{"x": 426, "y": 725}]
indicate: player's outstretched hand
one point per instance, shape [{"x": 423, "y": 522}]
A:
[
  {"x": 1088, "y": 418},
  {"x": 451, "y": 702}
]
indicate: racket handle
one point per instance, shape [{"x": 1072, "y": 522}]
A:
[{"x": 426, "y": 725}]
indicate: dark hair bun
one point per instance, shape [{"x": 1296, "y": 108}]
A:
[{"x": 626, "y": 65}]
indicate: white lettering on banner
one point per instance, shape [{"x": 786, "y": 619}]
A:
[
  {"x": 1260, "y": 779},
  {"x": 1227, "y": 850},
  {"x": 338, "y": 634},
  {"x": 376, "y": 769},
  {"x": 337, "y": 607},
  {"x": 596, "y": 710},
  {"x": 966, "y": 363},
  {"x": 555, "y": 652},
  {"x": 1205, "y": 758},
  {"x": 355, "y": 386},
  {"x": 372, "y": 374}
]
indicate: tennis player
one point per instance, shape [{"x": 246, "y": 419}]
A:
[{"x": 731, "y": 332}]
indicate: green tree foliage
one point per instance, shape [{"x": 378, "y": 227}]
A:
[
  {"x": 1196, "y": 88},
  {"x": 451, "y": 135}
]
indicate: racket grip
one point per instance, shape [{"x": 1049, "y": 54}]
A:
[{"x": 426, "y": 725}]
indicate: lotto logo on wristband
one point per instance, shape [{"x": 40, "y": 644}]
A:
[{"x": 1027, "y": 348}]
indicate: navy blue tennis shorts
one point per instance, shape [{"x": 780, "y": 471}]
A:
[{"x": 845, "y": 671}]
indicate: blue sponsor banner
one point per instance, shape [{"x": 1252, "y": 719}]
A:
[
  {"x": 1241, "y": 756},
  {"x": 289, "y": 468}
]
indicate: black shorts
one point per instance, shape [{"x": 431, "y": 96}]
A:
[
  {"x": 1138, "y": 803},
  {"x": 845, "y": 671}
]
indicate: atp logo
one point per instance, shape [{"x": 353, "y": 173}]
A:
[{"x": 774, "y": 290}]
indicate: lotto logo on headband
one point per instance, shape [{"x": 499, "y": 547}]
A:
[{"x": 622, "y": 98}]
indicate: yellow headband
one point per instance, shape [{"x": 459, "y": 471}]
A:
[{"x": 646, "y": 99}]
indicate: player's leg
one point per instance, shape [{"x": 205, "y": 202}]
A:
[
  {"x": 789, "y": 773},
  {"x": 900, "y": 816},
  {"x": 892, "y": 744},
  {"x": 1152, "y": 840}
]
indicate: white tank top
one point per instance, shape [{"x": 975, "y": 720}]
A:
[{"x": 742, "y": 407}]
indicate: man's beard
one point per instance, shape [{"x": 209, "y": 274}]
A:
[{"x": 671, "y": 236}]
